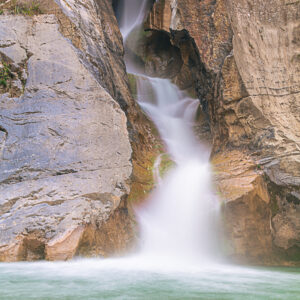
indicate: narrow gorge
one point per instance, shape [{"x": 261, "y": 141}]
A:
[{"x": 152, "y": 145}]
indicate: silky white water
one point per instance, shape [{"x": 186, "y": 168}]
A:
[
  {"x": 132, "y": 13},
  {"x": 177, "y": 254},
  {"x": 177, "y": 222}
]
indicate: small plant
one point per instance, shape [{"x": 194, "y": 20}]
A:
[
  {"x": 5, "y": 75},
  {"x": 3, "y": 83},
  {"x": 1, "y": 11},
  {"x": 23, "y": 81},
  {"x": 30, "y": 9}
]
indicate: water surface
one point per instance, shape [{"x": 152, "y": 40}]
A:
[{"x": 134, "y": 278}]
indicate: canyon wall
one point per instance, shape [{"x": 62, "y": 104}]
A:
[
  {"x": 242, "y": 58},
  {"x": 76, "y": 149},
  {"x": 68, "y": 124}
]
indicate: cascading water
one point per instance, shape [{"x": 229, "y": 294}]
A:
[
  {"x": 132, "y": 14},
  {"x": 176, "y": 225},
  {"x": 177, "y": 221}
]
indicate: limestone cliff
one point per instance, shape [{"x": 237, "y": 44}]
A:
[
  {"x": 66, "y": 123},
  {"x": 243, "y": 59}
]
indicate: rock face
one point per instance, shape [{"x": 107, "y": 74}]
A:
[
  {"x": 73, "y": 140},
  {"x": 243, "y": 57},
  {"x": 65, "y": 151},
  {"x": 265, "y": 48}
]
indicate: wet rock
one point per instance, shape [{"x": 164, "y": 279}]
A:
[{"x": 246, "y": 209}]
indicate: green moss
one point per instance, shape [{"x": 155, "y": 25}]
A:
[
  {"x": 3, "y": 83},
  {"x": 137, "y": 38},
  {"x": 143, "y": 181},
  {"x": 155, "y": 132},
  {"x": 166, "y": 165},
  {"x": 132, "y": 85},
  {"x": 1, "y": 11}
]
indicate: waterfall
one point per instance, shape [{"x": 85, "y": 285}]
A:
[
  {"x": 177, "y": 222},
  {"x": 176, "y": 258},
  {"x": 132, "y": 14}
]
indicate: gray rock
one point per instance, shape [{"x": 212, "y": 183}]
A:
[{"x": 65, "y": 152}]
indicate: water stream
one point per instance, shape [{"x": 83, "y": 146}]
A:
[
  {"x": 177, "y": 257},
  {"x": 177, "y": 222}
]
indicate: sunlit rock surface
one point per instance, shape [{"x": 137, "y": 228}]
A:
[
  {"x": 247, "y": 79},
  {"x": 65, "y": 151}
]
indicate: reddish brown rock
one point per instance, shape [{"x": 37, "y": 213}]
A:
[{"x": 243, "y": 58}]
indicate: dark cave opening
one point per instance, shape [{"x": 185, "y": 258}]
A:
[
  {"x": 175, "y": 56},
  {"x": 118, "y": 6}
]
